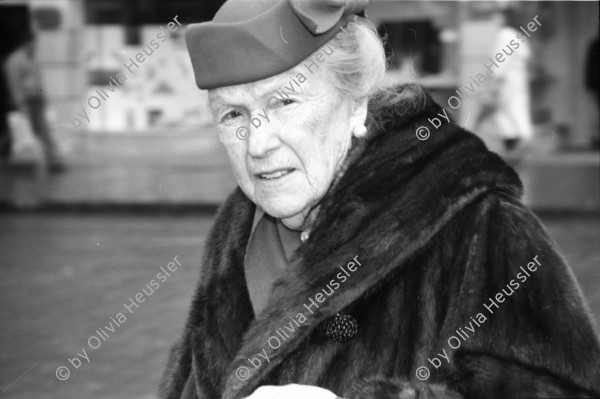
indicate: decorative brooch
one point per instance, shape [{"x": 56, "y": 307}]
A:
[{"x": 341, "y": 328}]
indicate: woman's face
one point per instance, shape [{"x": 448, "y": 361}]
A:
[{"x": 286, "y": 137}]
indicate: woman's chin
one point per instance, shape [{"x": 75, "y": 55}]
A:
[{"x": 290, "y": 212}]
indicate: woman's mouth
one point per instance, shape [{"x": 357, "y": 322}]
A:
[{"x": 275, "y": 174}]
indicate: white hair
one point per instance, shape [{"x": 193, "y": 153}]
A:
[
  {"x": 358, "y": 63},
  {"x": 358, "y": 66}
]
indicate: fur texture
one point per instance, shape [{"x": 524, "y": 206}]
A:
[{"x": 439, "y": 229}]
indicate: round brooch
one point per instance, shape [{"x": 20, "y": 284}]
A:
[{"x": 341, "y": 328}]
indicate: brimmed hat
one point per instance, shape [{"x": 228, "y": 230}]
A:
[{"x": 250, "y": 40}]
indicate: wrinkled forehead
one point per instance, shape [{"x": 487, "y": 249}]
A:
[
  {"x": 254, "y": 89},
  {"x": 269, "y": 86}
]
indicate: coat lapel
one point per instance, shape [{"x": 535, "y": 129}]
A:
[{"x": 221, "y": 310}]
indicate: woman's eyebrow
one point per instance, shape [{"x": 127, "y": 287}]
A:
[
  {"x": 258, "y": 91},
  {"x": 218, "y": 101}
]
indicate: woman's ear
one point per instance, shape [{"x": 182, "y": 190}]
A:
[{"x": 358, "y": 116}]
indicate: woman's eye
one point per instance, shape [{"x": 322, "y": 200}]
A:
[
  {"x": 231, "y": 115},
  {"x": 279, "y": 102}
]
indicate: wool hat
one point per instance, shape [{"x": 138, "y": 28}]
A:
[{"x": 250, "y": 40}]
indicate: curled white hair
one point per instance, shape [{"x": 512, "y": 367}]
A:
[
  {"x": 358, "y": 62},
  {"x": 358, "y": 66}
]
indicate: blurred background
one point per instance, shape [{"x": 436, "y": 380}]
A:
[{"x": 111, "y": 165}]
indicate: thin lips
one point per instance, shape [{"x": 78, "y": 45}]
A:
[{"x": 274, "y": 171}]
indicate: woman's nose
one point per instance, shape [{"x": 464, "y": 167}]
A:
[{"x": 264, "y": 135}]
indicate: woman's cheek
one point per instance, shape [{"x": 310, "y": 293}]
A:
[
  {"x": 286, "y": 117},
  {"x": 236, "y": 152},
  {"x": 225, "y": 136}
]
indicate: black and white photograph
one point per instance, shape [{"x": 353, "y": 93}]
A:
[{"x": 292, "y": 199}]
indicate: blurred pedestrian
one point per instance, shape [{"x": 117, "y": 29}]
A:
[
  {"x": 505, "y": 112},
  {"x": 25, "y": 86},
  {"x": 6, "y": 106}
]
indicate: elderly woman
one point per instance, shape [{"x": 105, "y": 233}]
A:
[{"x": 356, "y": 260}]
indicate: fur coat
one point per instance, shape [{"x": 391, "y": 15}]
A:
[{"x": 459, "y": 293}]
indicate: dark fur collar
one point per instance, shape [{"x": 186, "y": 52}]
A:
[{"x": 391, "y": 200}]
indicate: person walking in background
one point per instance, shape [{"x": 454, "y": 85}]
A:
[
  {"x": 25, "y": 86},
  {"x": 5, "y": 107},
  {"x": 506, "y": 112}
]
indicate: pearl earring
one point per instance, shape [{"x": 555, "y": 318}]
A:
[{"x": 360, "y": 131}]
